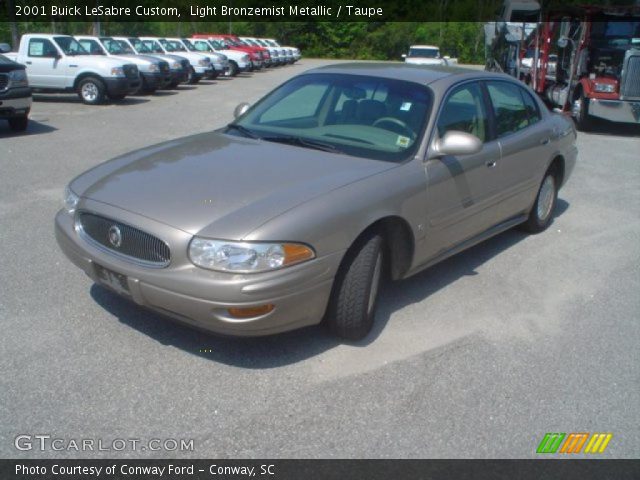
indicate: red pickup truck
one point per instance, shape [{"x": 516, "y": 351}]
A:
[{"x": 259, "y": 56}]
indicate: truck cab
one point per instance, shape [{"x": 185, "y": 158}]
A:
[
  {"x": 199, "y": 65},
  {"x": 58, "y": 63},
  {"x": 179, "y": 66},
  {"x": 154, "y": 73}
]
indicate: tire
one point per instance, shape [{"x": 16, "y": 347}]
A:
[
  {"x": 19, "y": 124},
  {"x": 233, "y": 66},
  {"x": 118, "y": 97},
  {"x": 353, "y": 302},
  {"x": 541, "y": 214},
  {"x": 92, "y": 91},
  {"x": 192, "y": 79},
  {"x": 584, "y": 121}
]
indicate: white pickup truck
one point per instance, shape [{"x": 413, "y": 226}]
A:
[
  {"x": 58, "y": 63},
  {"x": 200, "y": 64},
  {"x": 238, "y": 61},
  {"x": 427, "y": 55}
]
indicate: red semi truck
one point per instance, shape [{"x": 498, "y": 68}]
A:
[{"x": 582, "y": 60}]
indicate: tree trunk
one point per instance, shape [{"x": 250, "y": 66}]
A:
[{"x": 13, "y": 25}]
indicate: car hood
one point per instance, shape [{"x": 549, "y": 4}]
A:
[{"x": 219, "y": 185}]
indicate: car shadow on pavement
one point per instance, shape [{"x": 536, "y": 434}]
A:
[
  {"x": 68, "y": 98},
  {"x": 292, "y": 347},
  {"x": 34, "y": 128}
]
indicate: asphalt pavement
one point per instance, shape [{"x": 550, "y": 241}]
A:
[{"x": 478, "y": 356}]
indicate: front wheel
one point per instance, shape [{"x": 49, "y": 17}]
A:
[
  {"x": 541, "y": 213},
  {"x": 19, "y": 124},
  {"x": 581, "y": 113},
  {"x": 354, "y": 297},
  {"x": 92, "y": 91},
  {"x": 233, "y": 69},
  {"x": 192, "y": 79}
]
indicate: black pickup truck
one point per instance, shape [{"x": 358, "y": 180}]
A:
[{"x": 15, "y": 94}]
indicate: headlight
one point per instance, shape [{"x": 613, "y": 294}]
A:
[
  {"x": 204, "y": 62},
  {"x": 70, "y": 200},
  {"x": 154, "y": 67},
  {"x": 117, "y": 72},
  {"x": 604, "y": 87},
  {"x": 18, "y": 78},
  {"x": 246, "y": 257}
]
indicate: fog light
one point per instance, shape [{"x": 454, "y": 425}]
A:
[{"x": 248, "y": 312}]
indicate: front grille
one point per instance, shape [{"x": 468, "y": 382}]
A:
[
  {"x": 630, "y": 86},
  {"x": 4, "y": 81},
  {"x": 185, "y": 64},
  {"x": 130, "y": 71},
  {"x": 164, "y": 66},
  {"x": 135, "y": 244}
]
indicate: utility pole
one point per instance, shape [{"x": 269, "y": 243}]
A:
[{"x": 13, "y": 25}]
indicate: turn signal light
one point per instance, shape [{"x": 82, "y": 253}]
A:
[{"x": 249, "y": 312}]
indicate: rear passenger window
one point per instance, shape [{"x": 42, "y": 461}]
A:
[
  {"x": 464, "y": 111},
  {"x": 513, "y": 106}
]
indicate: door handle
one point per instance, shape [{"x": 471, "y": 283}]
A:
[
  {"x": 545, "y": 141},
  {"x": 491, "y": 163}
]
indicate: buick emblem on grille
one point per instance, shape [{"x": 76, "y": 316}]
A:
[{"x": 115, "y": 237}]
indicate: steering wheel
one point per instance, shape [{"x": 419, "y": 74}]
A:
[{"x": 398, "y": 123}]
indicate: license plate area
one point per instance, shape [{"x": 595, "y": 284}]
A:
[{"x": 112, "y": 280}]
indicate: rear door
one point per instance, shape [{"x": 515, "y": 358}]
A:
[
  {"x": 525, "y": 141},
  {"x": 462, "y": 190}
]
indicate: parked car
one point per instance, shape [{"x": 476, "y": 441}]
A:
[
  {"x": 58, "y": 63},
  {"x": 427, "y": 55},
  {"x": 341, "y": 177},
  {"x": 238, "y": 61},
  {"x": 219, "y": 61},
  {"x": 180, "y": 66},
  {"x": 15, "y": 94},
  {"x": 285, "y": 55},
  {"x": 154, "y": 73},
  {"x": 293, "y": 52},
  {"x": 274, "y": 52},
  {"x": 228, "y": 41},
  {"x": 200, "y": 66}
]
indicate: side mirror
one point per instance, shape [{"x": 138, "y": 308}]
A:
[
  {"x": 5, "y": 48},
  {"x": 457, "y": 143},
  {"x": 240, "y": 109}
]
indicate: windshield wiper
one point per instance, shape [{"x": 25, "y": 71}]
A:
[
  {"x": 242, "y": 129},
  {"x": 304, "y": 142}
]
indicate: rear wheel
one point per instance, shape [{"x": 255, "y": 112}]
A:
[
  {"x": 19, "y": 124},
  {"x": 92, "y": 90},
  {"x": 354, "y": 297},
  {"x": 541, "y": 213}
]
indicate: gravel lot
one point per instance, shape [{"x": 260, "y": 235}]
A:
[{"x": 479, "y": 356}]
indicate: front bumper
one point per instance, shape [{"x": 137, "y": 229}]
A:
[
  {"x": 153, "y": 80},
  {"x": 200, "y": 297},
  {"x": 625, "y": 111},
  {"x": 122, "y": 85},
  {"x": 15, "y": 102}
]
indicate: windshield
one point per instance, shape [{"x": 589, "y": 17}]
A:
[
  {"x": 114, "y": 47},
  {"x": 153, "y": 46},
  {"x": 218, "y": 45},
  {"x": 424, "y": 52},
  {"x": 202, "y": 46},
  {"x": 189, "y": 45},
  {"x": 363, "y": 116},
  {"x": 126, "y": 47},
  {"x": 616, "y": 33},
  {"x": 141, "y": 47},
  {"x": 172, "y": 46},
  {"x": 70, "y": 46}
]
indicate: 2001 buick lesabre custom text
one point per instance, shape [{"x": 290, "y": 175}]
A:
[{"x": 300, "y": 208}]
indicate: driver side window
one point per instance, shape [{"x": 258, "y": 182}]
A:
[
  {"x": 464, "y": 110},
  {"x": 41, "y": 47}
]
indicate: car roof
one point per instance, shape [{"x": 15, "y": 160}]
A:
[
  {"x": 423, "y": 74},
  {"x": 424, "y": 46}
]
